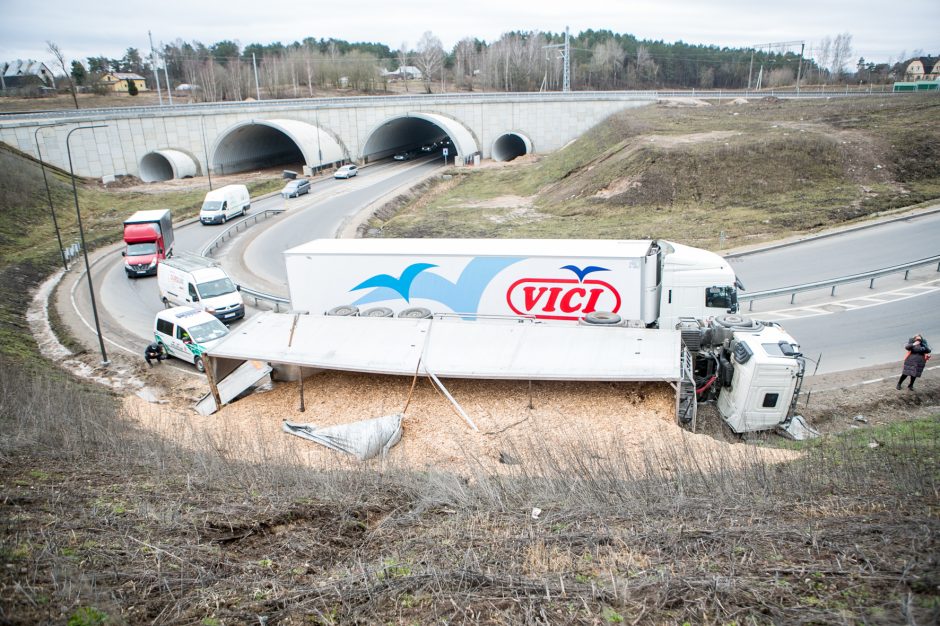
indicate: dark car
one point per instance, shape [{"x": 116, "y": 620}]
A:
[{"x": 296, "y": 188}]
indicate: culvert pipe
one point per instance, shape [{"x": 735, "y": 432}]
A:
[{"x": 166, "y": 164}]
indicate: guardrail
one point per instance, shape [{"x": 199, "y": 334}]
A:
[
  {"x": 227, "y": 234},
  {"x": 836, "y": 282}
]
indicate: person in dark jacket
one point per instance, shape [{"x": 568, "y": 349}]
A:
[
  {"x": 917, "y": 351},
  {"x": 154, "y": 352}
]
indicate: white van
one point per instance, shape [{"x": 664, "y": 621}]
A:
[
  {"x": 224, "y": 203},
  {"x": 195, "y": 281},
  {"x": 187, "y": 333}
]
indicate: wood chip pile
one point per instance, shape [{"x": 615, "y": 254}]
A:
[{"x": 627, "y": 423}]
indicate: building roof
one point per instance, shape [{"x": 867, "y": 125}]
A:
[
  {"x": 126, "y": 76},
  {"x": 20, "y": 68},
  {"x": 931, "y": 64}
]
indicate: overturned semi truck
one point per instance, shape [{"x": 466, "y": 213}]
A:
[{"x": 588, "y": 310}]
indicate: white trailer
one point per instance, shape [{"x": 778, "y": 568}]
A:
[{"x": 652, "y": 283}]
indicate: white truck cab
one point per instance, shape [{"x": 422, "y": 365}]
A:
[
  {"x": 197, "y": 282},
  {"x": 187, "y": 333},
  {"x": 224, "y": 203},
  {"x": 768, "y": 369}
]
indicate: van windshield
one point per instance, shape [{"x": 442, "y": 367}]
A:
[
  {"x": 216, "y": 288},
  {"x": 209, "y": 331},
  {"x": 212, "y": 205},
  {"x": 141, "y": 249}
]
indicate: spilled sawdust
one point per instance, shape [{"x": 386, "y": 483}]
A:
[{"x": 630, "y": 425}]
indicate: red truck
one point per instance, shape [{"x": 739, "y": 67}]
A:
[{"x": 148, "y": 236}]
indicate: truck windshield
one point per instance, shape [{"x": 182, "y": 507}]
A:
[
  {"x": 210, "y": 331},
  {"x": 215, "y": 288},
  {"x": 141, "y": 249},
  {"x": 212, "y": 205},
  {"x": 721, "y": 298}
]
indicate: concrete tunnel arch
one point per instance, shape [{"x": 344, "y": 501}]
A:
[
  {"x": 510, "y": 145},
  {"x": 411, "y": 130},
  {"x": 167, "y": 164},
  {"x": 257, "y": 144}
]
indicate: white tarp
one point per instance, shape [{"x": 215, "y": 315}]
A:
[{"x": 364, "y": 439}]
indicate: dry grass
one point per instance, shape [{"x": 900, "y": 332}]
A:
[{"x": 100, "y": 518}]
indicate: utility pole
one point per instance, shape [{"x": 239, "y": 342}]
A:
[
  {"x": 799, "y": 68},
  {"x": 156, "y": 72},
  {"x": 166, "y": 75},
  {"x": 254, "y": 64},
  {"x": 566, "y": 59}
]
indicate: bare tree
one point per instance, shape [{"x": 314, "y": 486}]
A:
[
  {"x": 823, "y": 55},
  {"x": 55, "y": 51},
  {"x": 841, "y": 53},
  {"x": 403, "y": 62},
  {"x": 429, "y": 58}
]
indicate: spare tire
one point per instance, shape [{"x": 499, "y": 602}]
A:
[
  {"x": 605, "y": 318},
  {"x": 737, "y": 322},
  {"x": 417, "y": 313},
  {"x": 344, "y": 310},
  {"x": 379, "y": 311}
]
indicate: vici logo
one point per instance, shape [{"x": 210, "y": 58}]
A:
[{"x": 561, "y": 298}]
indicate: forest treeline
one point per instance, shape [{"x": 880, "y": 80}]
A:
[{"x": 517, "y": 61}]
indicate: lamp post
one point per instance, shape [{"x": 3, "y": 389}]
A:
[
  {"x": 205, "y": 149},
  {"x": 42, "y": 166},
  {"x": 81, "y": 233}
]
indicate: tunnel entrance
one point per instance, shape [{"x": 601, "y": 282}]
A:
[
  {"x": 419, "y": 134},
  {"x": 161, "y": 165},
  {"x": 511, "y": 145},
  {"x": 255, "y": 146}
]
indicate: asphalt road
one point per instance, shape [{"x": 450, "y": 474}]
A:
[{"x": 860, "y": 337}]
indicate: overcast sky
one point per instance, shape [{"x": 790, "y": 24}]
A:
[{"x": 881, "y": 30}]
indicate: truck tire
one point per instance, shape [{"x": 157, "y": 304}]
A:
[
  {"x": 344, "y": 310},
  {"x": 379, "y": 311},
  {"x": 738, "y": 322},
  {"x": 602, "y": 318},
  {"x": 416, "y": 313},
  {"x": 200, "y": 366}
]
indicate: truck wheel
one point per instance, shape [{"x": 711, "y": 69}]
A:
[
  {"x": 604, "y": 318},
  {"x": 416, "y": 313},
  {"x": 344, "y": 310},
  {"x": 379, "y": 311},
  {"x": 200, "y": 366}
]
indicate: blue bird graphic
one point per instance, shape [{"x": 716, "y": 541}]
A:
[
  {"x": 401, "y": 285},
  {"x": 581, "y": 273}
]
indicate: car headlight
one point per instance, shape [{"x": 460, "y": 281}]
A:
[
  {"x": 210, "y": 311},
  {"x": 153, "y": 263}
]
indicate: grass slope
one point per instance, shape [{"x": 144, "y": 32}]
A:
[{"x": 752, "y": 172}]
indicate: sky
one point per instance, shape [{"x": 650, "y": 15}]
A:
[{"x": 881, "y": 31}]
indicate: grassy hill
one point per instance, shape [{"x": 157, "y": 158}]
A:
[{"x": 755, "y": 172}]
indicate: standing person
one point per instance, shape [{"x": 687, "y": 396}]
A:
[
  {"x": 917, "y": 354},
  {"x": 154, "y": 352}
]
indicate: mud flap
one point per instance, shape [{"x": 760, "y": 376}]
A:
[{"x": 797, "y": 429}]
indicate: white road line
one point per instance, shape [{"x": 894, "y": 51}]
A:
[{"x": 862, "y": 302}]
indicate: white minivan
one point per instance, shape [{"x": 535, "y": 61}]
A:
[
  {"x": 187, "y": 333},
  {"x": 224, "y": 203},
  {"x": 195, "y": 281}
]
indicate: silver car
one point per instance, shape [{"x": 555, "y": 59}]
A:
[
  {"x": 347, "y": 171},
  {"x": 296, "y": 188}
]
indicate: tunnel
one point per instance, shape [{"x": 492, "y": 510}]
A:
[
  {"x": 259, "y": 144},
  {"x": 167, "y": 164},
  {"x": 413, "y": 130},
  {"x": 510, "y": 145}
]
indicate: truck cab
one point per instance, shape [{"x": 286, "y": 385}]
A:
[
  {"x": 148, "y": 239},
  {"x": 767, "y": 372},
  {"x": 694, "y": 283}
]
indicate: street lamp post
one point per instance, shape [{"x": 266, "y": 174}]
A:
[
  {"x": 42, "y": 166},
  {"x": 81, "y": 233}
]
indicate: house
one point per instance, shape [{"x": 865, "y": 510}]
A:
[
  {"x": 17, "y": 74},
  {"x": 120, "y": 81},
  {"x": 922, "y": 68},
  {"x": 408, "y": 72}
]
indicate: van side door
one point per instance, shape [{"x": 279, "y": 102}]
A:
[{"x": 181, "y": 344}]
